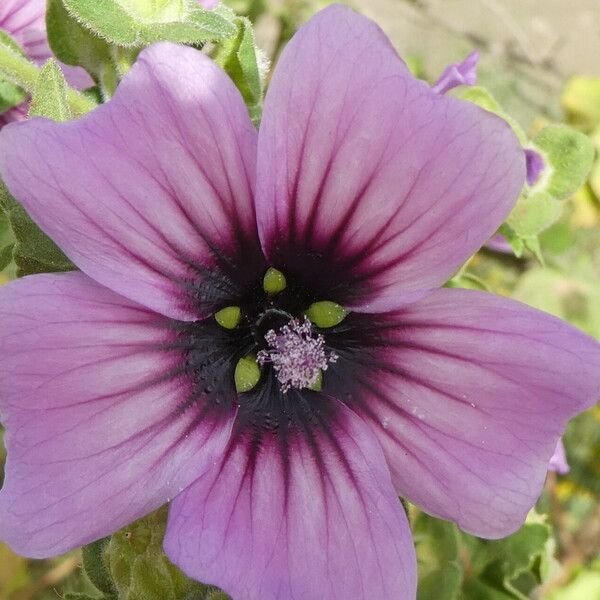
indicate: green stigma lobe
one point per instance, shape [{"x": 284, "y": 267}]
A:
[
  {"x": 326, "y": 314},
  {"x": 247, "y": 374},
  {"x": 229, "y": 317},
  {"x": 274, "y": 281},
  {"x": 318, "y": 384}
]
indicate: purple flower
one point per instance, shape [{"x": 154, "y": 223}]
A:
[
  {"x": 535, "y": 165},
  {"x": 463, "y": 73},
  {"x": 558, "y": 461},
  {"x": 208, "y": 4},
  {"x": 25, "y": 21},
  {"x": 364, "y": 189}
]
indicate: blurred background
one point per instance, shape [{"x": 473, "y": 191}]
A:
[{"x": 541, "y": 60}]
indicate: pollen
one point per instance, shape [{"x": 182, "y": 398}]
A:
[{"x": 297, "y": 354}]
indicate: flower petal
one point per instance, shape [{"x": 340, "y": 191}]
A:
[
  {"x": 316, "y": 518},
  {"x": 24, "y": 20},
  {"x": 469, "y": 394},
  {"x": 535, "y": 165},
  {"x": 558, "y": 461},
  {"x": 99, "y": 427},
  {"x": 152, "y": 192},
  {"x": 387, "y": 185},
  {"x": 462, "y": 73}
]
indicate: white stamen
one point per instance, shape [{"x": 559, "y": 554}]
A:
[{"x": 298, "y": 355}]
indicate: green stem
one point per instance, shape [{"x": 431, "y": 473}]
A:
[
  {"x": 18, "y": 70},
  {"x": 79, "y": 103}
]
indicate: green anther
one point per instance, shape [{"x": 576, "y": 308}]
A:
[
  {"x": 247, "y": 374},
  {"x": 326, "y": 314},
  {"x": 318, "y": 384},
  {"x": 274, "y": 281},
  {"x": 229, "y": 317}
]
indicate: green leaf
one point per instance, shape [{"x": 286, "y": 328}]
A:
[
  {"x": 570, "y": 296},
  {"x": 15, "y": 67},
  {"x": 139, "y": 568},
  {"x": 482, "y": 97},
  {"x": 130, "y": 23},
  {"x": 533, "y": 213},
  {"x": 570, "y": 156},
  {"x": 75, "y": 45},
  {"x": 510, "y": 567},
  {"x": 50, "y": 96},
  {"x": 475, "y": 589},
  {"x": 440, "y": 570},
  {"x": 436, "y": 540},
  {"x": 7, "y": 41},
  {"x": 441, "y": 584},
  {"x": 6, "y": 256},
  {"x": 10, "y": 94},
  {"x": 468, "y": 281},
  {"x": 96, "y": 568},
  {"x": 33, "y": 251},
  {"x": 215, "y": 595},
  {"x": 240, "y": 58},
  {"x": 516, "y": 243},
  {"x": 81, "y": 596}
]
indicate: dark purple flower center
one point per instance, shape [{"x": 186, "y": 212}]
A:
[
  {"x": 280, "y": 401},
  {"x": 296, "y": 359}
]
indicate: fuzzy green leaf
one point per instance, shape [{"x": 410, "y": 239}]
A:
[
  {"x": 241, "y": 59},
  {"x": 482, "y": 97},
  {"x": 141, "y": 571},
  {"x": 441, "y": 584},
  {"x": 33, "y": 252},
  {"x": 534, "y": 213},
  {"x": 437, "y": 550},
  {"x": 132, "y": 24},
  {"x": 510, "y": 567},
  {"x": 10, "y": 95},
  {"x": 15, "y": 67},
  {"x": 96, "y": 568},
  {"x": 6, "y": 256},
  {"x": 569, "y": 155},
  {"x": 73, "y": 44},
  {"x": 50, "y": 96}
]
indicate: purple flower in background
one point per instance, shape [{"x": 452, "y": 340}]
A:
[
  {"x": 463, "y": 73},
  {"x": 535, "y": 165},
  {"x": 25, "y": 22},
  {"x": 362, "y": 188},
  {"x": 208, "y": 4},
  {"x": 558, "y": 461}
]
